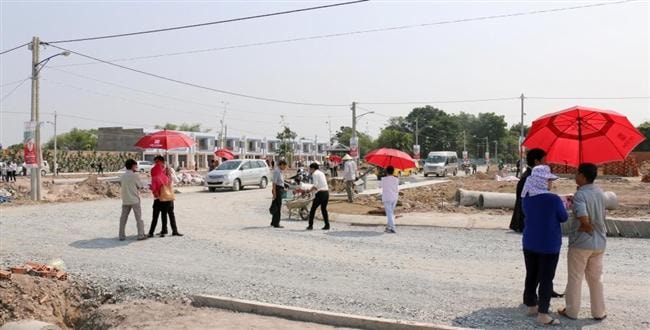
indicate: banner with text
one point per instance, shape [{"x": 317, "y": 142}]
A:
[{"x": 29, "y": 144}]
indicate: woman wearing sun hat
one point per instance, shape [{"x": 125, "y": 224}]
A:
[{"x": 542, "y": 239}]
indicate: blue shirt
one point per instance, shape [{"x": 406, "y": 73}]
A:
[{"x": 544, "y": 213}]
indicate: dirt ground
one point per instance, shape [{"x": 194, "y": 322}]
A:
[
  {"x": 633, "y": 195},
  {"x": 89, "y": 189}
]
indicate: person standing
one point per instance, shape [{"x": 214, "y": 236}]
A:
[
  {"x": 130, "y": 182},
  {"x": 4, "y": 170},
  {"x": 534, "y": 157},
  {"x": 322, "y": 196},
  {"x": 349, "y": 175},
  {"x": 13, "y": 167},
  {"x": 169, "y": 205},
  {"x": 158, "y": 179},
  {"x": 587, "y": 241},
  {"x": 278, "y": 190},
  {"x": 541, "y": 241},
  {"x": 100, "y": 168},
  {"x": 389, "y": 194}
]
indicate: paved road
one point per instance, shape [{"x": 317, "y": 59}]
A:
[{"x": 445, "y": 275}]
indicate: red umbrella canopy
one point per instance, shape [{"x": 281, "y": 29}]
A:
[
  {"x": 336, "y": 159},
  {"x": 165, "y": 140},
  {"x": 385, "y": 156},
  {"x": 224, "y": 153},
  {"x": 583, "y": 135}
]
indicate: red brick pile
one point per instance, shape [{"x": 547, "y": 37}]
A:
[
  {"x": 35, "y": 269},
  {"x": 628, "y": 167}
]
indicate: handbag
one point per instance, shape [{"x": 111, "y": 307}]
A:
[{"x": 166, "y": 193}]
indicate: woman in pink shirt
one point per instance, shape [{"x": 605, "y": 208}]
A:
[
  {"x": 389, "y": 194},
  {"x": 159, "y": 178}
]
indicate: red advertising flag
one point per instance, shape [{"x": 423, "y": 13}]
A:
[{"x": 29, "y": 145}]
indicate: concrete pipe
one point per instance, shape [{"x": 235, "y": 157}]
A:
[
  {"x": 490, "y": 200},
  {"x": 466, "y": 197},
  {"x": 611, "y": 200}
]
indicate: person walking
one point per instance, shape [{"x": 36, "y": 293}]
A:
[
  {"x": 130, "y": 182},
  {"x": 13, "y": 167},
  {"x": 278, "y": 190},
  {"x": 349, "y": 175},
  {"x": 541, "y": 241},
  {"x": 322, "y": 196},
  {"x": 534, "y": 157},
  {"x": 587, "y": 241},
  {"x": 389, "y": 194}
]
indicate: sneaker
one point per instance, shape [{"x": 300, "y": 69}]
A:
[
  {"x": 150, "y": 235},
  {"x": 177, "y": 234},
  {"x": 310, "y": 228},
  {"x": 161, "y": 234},
  {"x": 391, "y": 231},
  {"x": 327, "y": 227},
  {"x": 278, "y": 226}
]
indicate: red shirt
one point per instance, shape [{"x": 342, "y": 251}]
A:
[{"x": 158, "y": 179}]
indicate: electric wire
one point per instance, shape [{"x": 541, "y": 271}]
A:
[
  {"x": 350, "y": 33},
  {"x": 177, "y": 81},
  {"x": 13, "y": 82},
  {"x": 207, "y": 23},
  {"x": 12, "y": 49},
  {"x": 589, "y": 98},
  {"x": 13, "y": 90},
  {"x": 441, "y": 101}
]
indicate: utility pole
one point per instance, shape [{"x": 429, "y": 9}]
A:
[
  {"x": 223, "y": 122},
  {"x": 354, "y": 129},
  {"x": 56, "y": 165},
  {"x": 36, "y": 171},
  {"x": 417, "y": 131},
  {"x": 487, "y": 150},
  {"x": 464, "y": 145},
  {"x": 496, "y": 151}
]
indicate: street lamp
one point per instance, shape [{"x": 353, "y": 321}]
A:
[
  {"x": 354, "y": 131},
  {"x": 37, "y": 66}
]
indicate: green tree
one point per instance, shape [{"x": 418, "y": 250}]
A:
[
  {"x": 396, "y": 139},
  {"x": 286, "y": 136},
  {"x": 437, "y": 129},
  {"x": 185, "y": 127},
  {"x": 366, "y": 143},
  {"x": 644, "y": 128},
  {"x": 76, "y": 139}
]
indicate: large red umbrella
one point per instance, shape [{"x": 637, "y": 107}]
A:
[
  {"x": 336, "y": 159},
  {"x": 224, "y": 153},
  {"x": 165, "y": 140},
  {"x": 583, "y": 135},
  {"x": 385, "y": 156}
]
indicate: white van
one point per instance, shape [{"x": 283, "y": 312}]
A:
[
  {"x": 235, "y": 174},
  {"x": 441, "y": 163}
]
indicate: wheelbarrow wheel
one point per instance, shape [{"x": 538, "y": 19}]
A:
[{"x": 304, "y": 213}]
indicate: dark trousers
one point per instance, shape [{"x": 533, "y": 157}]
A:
[
  {"x": 540, "y": 271},
  {"x": 321, "y": 199},
  {"x": 163, "y": 209},
  {"x": 276, "y": 206},
  {"x": 12, "y": 175}
]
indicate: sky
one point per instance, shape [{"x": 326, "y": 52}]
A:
[{"x": 596, "y": 52}]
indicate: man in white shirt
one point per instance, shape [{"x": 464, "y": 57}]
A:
[
  {"x": 389, "y": 195},
  {"x": 130, "y": 182},
  {"x": 349, "y": 175},
  {"x": 322, "y": 196}
]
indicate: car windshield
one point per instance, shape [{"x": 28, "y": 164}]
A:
[
  {"x": 229, "y": 165},
  {"x": 436, "y": 159}
]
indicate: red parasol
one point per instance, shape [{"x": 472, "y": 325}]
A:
[
  {"x": 165, "y": 140},
  {"x": 583, "y": 135},
  {"x": 385, "y": 156},
  {"x": 224, "y": 153}
]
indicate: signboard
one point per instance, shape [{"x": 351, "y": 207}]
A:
[
  {"x": 354, "y": 147},
  {"x": 465, "y": 157},
  {"x": 29, "y": 144},
  {"x": 416, "y": 151}
]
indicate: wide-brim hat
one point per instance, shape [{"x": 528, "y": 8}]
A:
[
  {"x": 347, "y": 157},
  {"x": 543, "y": 172}
]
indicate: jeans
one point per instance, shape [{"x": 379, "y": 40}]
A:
[
  {"x": 276, "y": 206},
  {"x": 321, "y": 199},
  {"x": 540, "y": 271},
  {"x": 389, "y": 206}
]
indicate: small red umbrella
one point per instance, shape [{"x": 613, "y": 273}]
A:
[
  {"x": 165, "y": 140},
  {"x": 224, "y": 153},
  {"x": 583, "y": 135},
  {"x": 385, "y": 156},
  {"x": 336, "y": 159}
]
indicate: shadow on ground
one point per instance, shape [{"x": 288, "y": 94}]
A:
[
  {"x": 102, "y": 243},
  {"x": 504, "y": 318},
  {"x": 354, "y": 233}
]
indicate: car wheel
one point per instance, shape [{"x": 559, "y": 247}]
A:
[
  {"x": 426, "y": 175},
  {"x": 236, "y": 185},
  {"x": 43, "y": 173},
  {"x": 304, "y": 213},
  {"x": 212, "y": 189},
  {"x": 263, "y": 183}
]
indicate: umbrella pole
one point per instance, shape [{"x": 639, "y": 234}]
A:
[{"x": 579, "y": 140}]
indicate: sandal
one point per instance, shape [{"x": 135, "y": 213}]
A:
[
  {"x": 600, "y": 318},
  {"x": 551, "y": 322},
  {"x": 563, "y": 313}
]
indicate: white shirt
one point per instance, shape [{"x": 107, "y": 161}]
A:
[
  {"x": 389, "y": 188},
  {"x": 319, "y": 180},
  {"x": 349, "y": 171}
]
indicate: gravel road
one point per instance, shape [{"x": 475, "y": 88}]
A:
[{"x": 471, "y": 278}]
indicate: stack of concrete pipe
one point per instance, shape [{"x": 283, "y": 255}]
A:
[{"x": 492, "y": 200}]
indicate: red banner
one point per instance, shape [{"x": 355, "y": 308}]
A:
[{"x": 29, "y": 144}]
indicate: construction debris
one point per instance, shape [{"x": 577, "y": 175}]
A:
[{"x": 37, "y": 269}]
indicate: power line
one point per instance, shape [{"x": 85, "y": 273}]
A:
[
  {"x": 211, "y": 106},
  {"x": 208, "y": 23},
  {"x": 342, "y": 34},
  {"x": 441, "y": 101},
  {"x": 589, "y": 98},
  {"x": 13, "y": 82},
  {"x": 12, "y": 49},
  {"x": 200, "y": 86},
  {"x": 13, "y": 90}
]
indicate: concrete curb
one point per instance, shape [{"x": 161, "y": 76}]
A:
[{"x": 311, "y": 315}]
